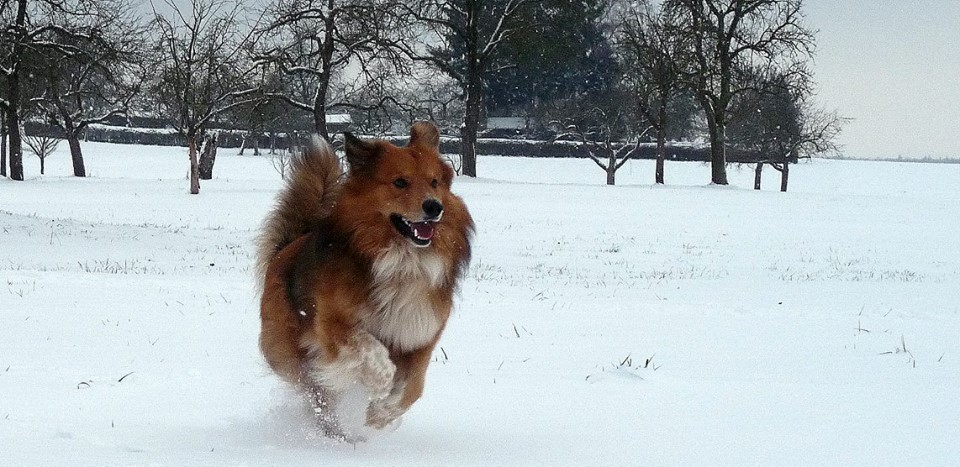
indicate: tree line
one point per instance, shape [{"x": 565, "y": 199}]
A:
[{"x": 609, "y": 74}]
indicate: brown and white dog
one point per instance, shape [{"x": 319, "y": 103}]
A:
[{"x": 359, "y": 272}]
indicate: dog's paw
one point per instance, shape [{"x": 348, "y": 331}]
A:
[
  {"x": 384, "y": 414},
  {"x": 376, "y": 370}
]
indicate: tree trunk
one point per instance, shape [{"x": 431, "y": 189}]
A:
[
  {"x": 208, "y": 157},
  {"x": 784, "y": 175},
  {"x": 757, "y": 174},
  {"x": 473, "y": 84},
  {"x": 243, "y": 143},
  {"x": 717, "y": 128},
  {"x": 76, "y": 155},
  {"x": 468, "y": 149},
  {"x": 194, "y": 169},
  {"x": 661, "y": 152},
  {"x": 256, "y": 145},
  {"x": 470, "y": 127},
  {"x": 468, "y": 137},
  {"x": 43, "y": 165},
  {"x": 13, "y": 95},
  {"x": 661, "y": 126},
  {"x": 16, "y": 144},
  {"x": 718, "y": 152},
  {"x": 3, "y": 145},
  {"x": 320, "y": 121},
  {"x": 320, "y": 107},
  {"x": 612, "y": 170},
  {"x": 327, "y": 48},
  {"x": 13, "y": 126}
]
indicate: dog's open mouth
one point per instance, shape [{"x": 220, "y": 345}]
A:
[{"x": 420, "y": 233}]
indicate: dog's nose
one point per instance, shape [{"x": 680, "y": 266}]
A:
[{"x": 432, "y": 208}]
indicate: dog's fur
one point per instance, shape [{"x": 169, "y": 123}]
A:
[{"x": 360, "y": 270}]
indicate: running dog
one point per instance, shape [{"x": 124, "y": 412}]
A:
[{"x": 359, "y": 272}]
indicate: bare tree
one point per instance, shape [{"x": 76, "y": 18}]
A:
[
  {"x": 600, "y": 123},
  {"x": 651, "y": 51},
  {"x": 818, "y": 135},
  {"x": 27, "y": 30},
  {"x": 465, "y": 36},
  {"x": 780, "y": 122},
  {"x": 280, "y": 160},
  {"x": 254, "y": 120},
  {"x": 327, "y": 52},
  {"x": 271, "y": 117},
  {"x": 615, "y": 157},
  {"x": 93, "y": 73},
  {"x": 201, "y": 69},
  {"x": 439, "y": 99},
  {"x": 733, "y": 35},
  {"x": 42, "y": 147}
]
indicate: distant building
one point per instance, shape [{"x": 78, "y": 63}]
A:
[
  {"x": 506, "y": 127},
  {"x": 338, "y": 123}
]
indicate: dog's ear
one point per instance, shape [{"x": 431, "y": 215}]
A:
[
  {"x": 447, "y": 174},
  {"x": 361, "y": 154},
  {"x": 424, "y": 134}
]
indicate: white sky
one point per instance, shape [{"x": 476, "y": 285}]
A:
[{"x": 893, "y": 66}]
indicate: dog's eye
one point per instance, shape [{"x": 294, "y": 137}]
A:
[
  {"x": 434, "y": 183},
  {"x": 401, "y": 183}
]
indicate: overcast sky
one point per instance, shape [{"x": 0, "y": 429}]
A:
[{"x": 893, "y": 66}]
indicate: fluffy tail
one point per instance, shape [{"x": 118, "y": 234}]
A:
[{"x": 308, "y": 197}]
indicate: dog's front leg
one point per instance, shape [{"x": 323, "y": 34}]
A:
[
  {"x": 407, "y": 388},
  {"x": 333, "y": 371},
  {"x": 361, "y": 358}
]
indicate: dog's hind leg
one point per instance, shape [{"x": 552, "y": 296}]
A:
[
  {"x": 324, "y": 402},
  {"x": 280, "y": 328}
]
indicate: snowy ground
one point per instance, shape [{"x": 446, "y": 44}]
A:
[{"x": 819, "y": 326}]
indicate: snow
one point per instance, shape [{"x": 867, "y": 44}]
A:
[
  {"x": 818, "y": 326},
  {"x": 159, "y": 131}
]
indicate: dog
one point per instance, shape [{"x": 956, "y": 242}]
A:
[{"x": 359, "y": 273}]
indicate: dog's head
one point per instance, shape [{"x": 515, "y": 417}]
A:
[{"x": 405, "y": 189}]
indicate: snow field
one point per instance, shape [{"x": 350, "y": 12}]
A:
[{"x": 627, "y": 325}]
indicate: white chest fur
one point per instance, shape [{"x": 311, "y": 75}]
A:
[{"x": 403, "y": 316}]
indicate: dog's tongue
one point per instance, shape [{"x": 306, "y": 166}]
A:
[{"x": 422, "y": 230}]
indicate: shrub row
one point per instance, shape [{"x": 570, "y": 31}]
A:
[{"x": 448, "y": 145}]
